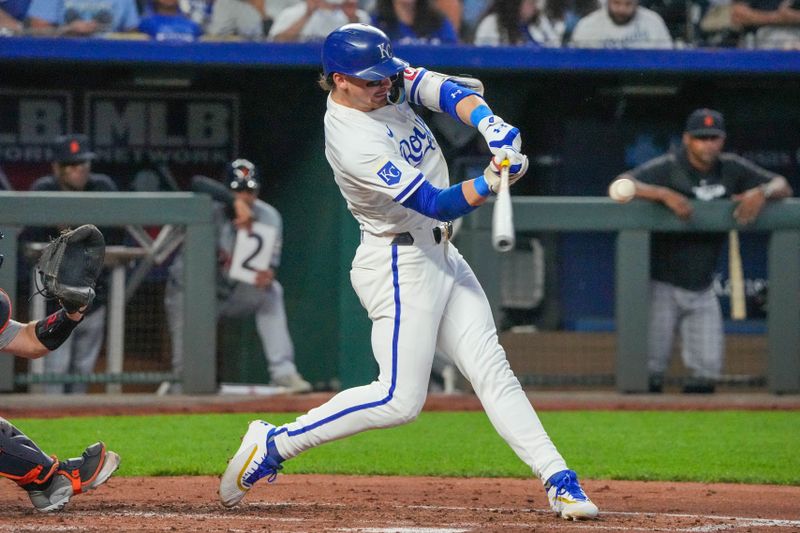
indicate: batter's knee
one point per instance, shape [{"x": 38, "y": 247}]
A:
[{"x": 405, "y": 408}]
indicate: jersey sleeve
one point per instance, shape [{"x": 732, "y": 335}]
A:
[
  {"x": 130, "y": 17},
  {"x": 285, "y": 19},
  {"x": 267, "y": 214},
  {"x": 378, "y": 167},
  {"x": 654, "y": 172},
  {"x": 5, "y": 310},
  {"x": 390, "y": 175},
  {"x": 47, "y": 10},
  {"x": 747, "y": 174},
  {"x": 9, "y": 329}
]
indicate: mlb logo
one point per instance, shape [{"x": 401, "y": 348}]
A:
[{"x": 390, "y": 173}]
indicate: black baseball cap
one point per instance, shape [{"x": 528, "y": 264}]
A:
[
  {"x": 72, "y": 148},
  {"x": 705, "y": 123}
]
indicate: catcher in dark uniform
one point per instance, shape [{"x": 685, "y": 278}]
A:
[
  {"x": 682, "y": 264},
  {"x": 68, "y": 270}
]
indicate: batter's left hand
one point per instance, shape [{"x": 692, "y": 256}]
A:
[
  {"x": 517, "y": 168},
  {"x": 498, "y": 134},
  {"x": 751, "y": 202}
]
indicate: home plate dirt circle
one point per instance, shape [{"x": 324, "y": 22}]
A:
[{"x": 405, "y": 504}]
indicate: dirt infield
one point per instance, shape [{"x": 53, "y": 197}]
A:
[
  {"x": 397, "y": 504},
  {"x": 393, "y": 504}
]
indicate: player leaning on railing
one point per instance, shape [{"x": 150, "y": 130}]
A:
[{"x": 69, "y": 267}]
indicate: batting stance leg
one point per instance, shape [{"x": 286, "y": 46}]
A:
[
  {"x": 468, "y": 335},
  {"x": 427, "y": 292},
  {"x": 402, "y": 302}
]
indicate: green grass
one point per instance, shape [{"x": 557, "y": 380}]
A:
[{"x": 732, "y": 446}]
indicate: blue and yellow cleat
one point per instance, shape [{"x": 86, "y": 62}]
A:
[
  {"x": 567, "y": 498},
  {"x": 251, "y": 462}
]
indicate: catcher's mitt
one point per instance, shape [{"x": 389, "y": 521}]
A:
[{"x": 70, "y": 265}]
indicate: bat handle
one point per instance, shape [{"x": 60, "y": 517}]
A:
[{"x": 504, "y": 165}]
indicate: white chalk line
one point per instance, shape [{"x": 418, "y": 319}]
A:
[{"x": 723, "y": 522}]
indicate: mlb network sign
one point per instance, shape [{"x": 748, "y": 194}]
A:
[
  {"x": 29, "y": 121},
  {"x": 162, "y": 127}
]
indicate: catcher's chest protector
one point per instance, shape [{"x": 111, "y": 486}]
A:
[{"x": 5, "y": 310}]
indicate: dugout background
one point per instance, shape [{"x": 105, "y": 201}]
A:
[{"x": 581, "y": 127}]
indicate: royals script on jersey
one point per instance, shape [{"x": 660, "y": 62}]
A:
[{"x": 379, "y": 159}]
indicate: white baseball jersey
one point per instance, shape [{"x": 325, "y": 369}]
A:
[
  {"x": 379, "y": 159},
  {"x": 645, "y": 30}
]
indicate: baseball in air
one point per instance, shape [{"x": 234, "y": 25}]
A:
[{"x": 622, "y": 190}]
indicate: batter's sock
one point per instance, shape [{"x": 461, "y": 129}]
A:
[{"x": 272, "y": 451}]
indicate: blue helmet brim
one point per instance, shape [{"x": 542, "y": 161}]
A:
[{"x": 385, "y": 69}]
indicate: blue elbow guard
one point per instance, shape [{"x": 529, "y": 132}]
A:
[{"x": 450, "y": 95}]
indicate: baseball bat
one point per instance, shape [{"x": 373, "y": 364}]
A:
[
  {"x": 503, "y": 214},
  {"x": 736, "y": 277}
]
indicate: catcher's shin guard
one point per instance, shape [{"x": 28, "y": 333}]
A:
[{"x": 21, "y": 460}]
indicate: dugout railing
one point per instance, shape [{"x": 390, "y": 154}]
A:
[
  {"x": 21, "y": 209},
  {"x": 633, "y": 223}
]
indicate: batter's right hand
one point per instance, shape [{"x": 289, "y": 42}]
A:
[
  {"x": 517, "y": 168},
  {"x": 499, "y": 134}
]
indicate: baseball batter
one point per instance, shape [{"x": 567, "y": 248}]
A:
[
  {"x": 50, "y": 483},
  {"x": 416, "y": 287}
]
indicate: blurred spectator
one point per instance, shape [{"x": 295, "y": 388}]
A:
[
  {"x": 453, "y": 10},
  {"x": 163, "y": 20},
  {"x": 12, "y": 16},
  {"x": 622, "y": 24},
  {"x": 313, "y": 20},
  {"x": 517, "y": 23},
  {"x": 82, "y": 17},
  {"x": 414, "y": 22},
  {"x": 471, "y": 14},
  {"x": 247, "y": 19},
  {"x": 197, "y": 10},
  {"x": 72, "y": 171},
  {"x": 565, "y": 14},
  {"x": 676, "y": 14},
  {"x": 776, "y": 23}
]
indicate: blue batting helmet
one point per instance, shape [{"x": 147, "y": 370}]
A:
[{"x": 361, "y": 51}]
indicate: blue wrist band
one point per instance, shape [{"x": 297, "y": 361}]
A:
[
  {"x": 479, "y": 113},
  {"x": 482, "y": 186}
]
